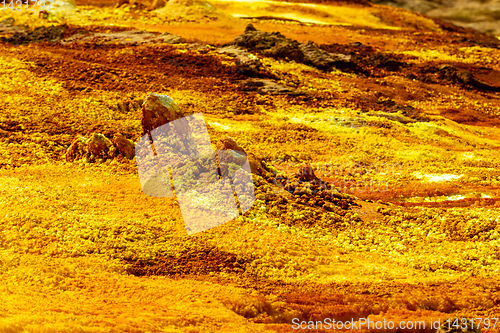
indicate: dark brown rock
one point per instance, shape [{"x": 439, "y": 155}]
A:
[
  {"x": 314, "y": 56},
  {"x": 250, "y": 28},
  {"x": 285, "y": 48},
  {"x": 21, "y": 34},
  {"x": 256, "y": 165},
  {"x": 76, "y": 150},
  {"x": 228, "y": 143},
  {"x": 8, "y": 27},
  {"x": 306, "y": 174},
  {"x": 130, "y": 37}
]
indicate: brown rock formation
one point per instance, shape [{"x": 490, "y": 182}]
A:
[
  {"x": 158, "y": 110},
  {"x": 256, "y": 166},
  {"x": 123, "y": 145},
  {"x": 229, "y": 143}
]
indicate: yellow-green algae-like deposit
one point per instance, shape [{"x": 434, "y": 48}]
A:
[{"x": 399, "y": 113}]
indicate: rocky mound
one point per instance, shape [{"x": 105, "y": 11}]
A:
[
  {"x": 276, "y": 45},
  {"x": 451, "y": 326},
  {"x": 97, "y": 146},
  {"x": 131, "y": 37},
  {"x": 157, "y": 110},
  {"x": 482, "y": 15},
  {"x": 21, "y": 34}
]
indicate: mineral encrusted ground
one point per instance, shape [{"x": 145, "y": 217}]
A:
[{"x": 376, "y": 177}]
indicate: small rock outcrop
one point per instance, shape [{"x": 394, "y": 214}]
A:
[
  {"x": 131, "y": 37},
  {"x": 306, "y": 174},
  {"x": 228, "y": 143},
  {"x": 158, "y": 110},
  {"x": 63, "y": 7},
  {"x": 256, "y": 165},
  {"x": 76, "y": 150},
  {"x": 276, "y": 45},
  {"x": 265, "y": 86},
  {"x": 21, "y": 34},
  {"x": 247, "y": 64},
  {"x": 304, "y": 184},
  {"x": 97, "y": 146},
  {"x": 8, "y": 27}
]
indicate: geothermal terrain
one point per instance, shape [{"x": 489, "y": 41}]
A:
[
  {"x": 374, "y": 136},
  {"x": 482, "y": 15}
]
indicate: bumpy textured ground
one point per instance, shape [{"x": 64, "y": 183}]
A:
[{"x": 407, "y": 130}]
